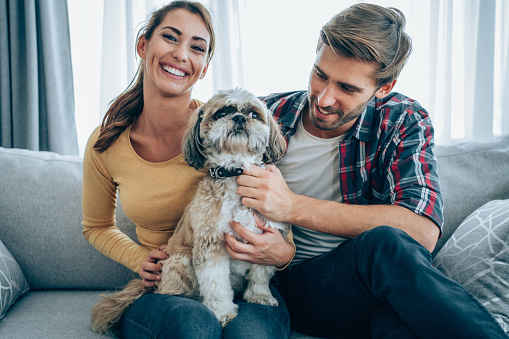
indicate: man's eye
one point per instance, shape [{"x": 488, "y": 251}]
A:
[
  {"x": 320, "y": 75},
  {"x": 219, "y": 115},
  {"x": 254, "y": 115},
  {"x": 348, "y": 89}
]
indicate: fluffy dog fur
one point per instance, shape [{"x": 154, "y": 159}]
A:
[{"x": 232, "y": 130}]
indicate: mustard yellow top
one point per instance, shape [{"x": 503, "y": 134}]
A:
[{"x": 153, "y": 196}]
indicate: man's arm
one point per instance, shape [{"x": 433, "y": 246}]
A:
[{"x": 267, "y": 192}]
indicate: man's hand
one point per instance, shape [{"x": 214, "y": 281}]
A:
[
  {"x": 266, "y": 191},
  {"x": 267, "y": 248},
  {"x": 150, "y": 269}
]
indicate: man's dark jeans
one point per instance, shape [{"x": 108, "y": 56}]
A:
[{"x": 382, "y": 285}]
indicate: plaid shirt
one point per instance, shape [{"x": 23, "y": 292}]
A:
[{"x": 385, "y": 159}]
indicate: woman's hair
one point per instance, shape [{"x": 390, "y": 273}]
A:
[
  {"x": 128, "y": 105},
  {"x": 371, "y": 33}
]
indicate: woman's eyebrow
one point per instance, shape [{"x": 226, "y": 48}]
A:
[{"x": 178, "y": 32}]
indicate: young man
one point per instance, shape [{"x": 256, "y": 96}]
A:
[{"x": 363, "y": 195}]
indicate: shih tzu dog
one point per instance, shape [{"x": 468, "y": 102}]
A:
[{"x": 230, "y": 132}]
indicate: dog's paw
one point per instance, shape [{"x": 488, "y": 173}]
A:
[
  {"x": 261, "y": 296},
  {"x": 262, "y": 299},
  {"x": 224, "y": 311},
  {"x": 224, "y": 319}
]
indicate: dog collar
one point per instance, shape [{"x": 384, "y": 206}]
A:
[{"x": 221, "y": 172}]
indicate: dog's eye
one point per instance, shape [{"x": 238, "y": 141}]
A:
[
  {"x": 219, "y": 115},
  {"x": 253, "y": 115}
]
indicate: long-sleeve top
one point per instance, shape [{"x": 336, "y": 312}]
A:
[{"x": 153, "y": 196}]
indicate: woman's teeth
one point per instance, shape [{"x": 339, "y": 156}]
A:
[{"x": 174, "y": 71}]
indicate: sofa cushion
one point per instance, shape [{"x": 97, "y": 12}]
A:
[
  {"x": 12, "y": 281},
  {"x": 477, "y": 257},
  {"x": 51, "y": 314},
  {"x": 40, "y": 223},
  {"x": 471, "y": 174}
]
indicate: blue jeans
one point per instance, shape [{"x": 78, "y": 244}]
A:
[
  {"x": 167, "y": 316},
  {"x": 382, "y": 285}
]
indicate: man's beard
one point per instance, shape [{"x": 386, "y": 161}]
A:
[{"x": 343, "y": 118}]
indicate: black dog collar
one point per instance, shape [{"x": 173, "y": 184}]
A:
[{"x": 221, "y": 172}]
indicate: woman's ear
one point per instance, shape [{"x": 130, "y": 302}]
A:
[
  {"x": 205, "y": 69},
  {"x": 385, "y": 89},
  {"x": 141, "y": 47}
]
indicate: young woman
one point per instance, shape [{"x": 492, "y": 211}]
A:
[{"x": 137, "y": 151}]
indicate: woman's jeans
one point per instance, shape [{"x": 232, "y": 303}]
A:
[
  {"x": 382, "y": 285},
  {"x": 167, "y": 316}
]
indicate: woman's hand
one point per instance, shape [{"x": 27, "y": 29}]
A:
[{"x": 150, "y": 268}]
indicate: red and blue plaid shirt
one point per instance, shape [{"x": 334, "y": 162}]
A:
[{"x": 385, "y": 159}]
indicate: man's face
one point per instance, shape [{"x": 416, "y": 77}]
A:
[{"x": 339, "y": 91}]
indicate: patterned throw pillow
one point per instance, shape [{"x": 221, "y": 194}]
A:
[
  {"x": 12, "y": 281},
  {"x": 477, "y": 257}
]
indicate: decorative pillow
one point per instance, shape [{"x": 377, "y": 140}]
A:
[
  {"x": 12, "y": 281},
  {"x": 477, "y": 257}
]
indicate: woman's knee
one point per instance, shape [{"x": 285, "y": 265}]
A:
[
  {"x": 166, "y": 316},
  {"x": 256, "y": 321},
  {"x": 193, "y": 317},
  {"x": 260, "y": 321}
]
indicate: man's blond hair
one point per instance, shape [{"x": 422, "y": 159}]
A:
[{"x": 371, "y": 33}]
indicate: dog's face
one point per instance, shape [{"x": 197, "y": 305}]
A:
[{"x": 232, "y": 128}]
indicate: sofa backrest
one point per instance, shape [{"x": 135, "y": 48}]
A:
[
  {"x": 471, "y": 174},
  {"x": 40, "y": 223},
  {"x": 40, "y": 210}
]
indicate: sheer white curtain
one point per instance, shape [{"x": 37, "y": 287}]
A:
[{"x": 458, "y": 69}]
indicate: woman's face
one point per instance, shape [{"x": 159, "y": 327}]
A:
[{"x": 176, "y": 54}]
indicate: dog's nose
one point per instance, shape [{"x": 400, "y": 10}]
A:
[{"x": 239, "y": 119}]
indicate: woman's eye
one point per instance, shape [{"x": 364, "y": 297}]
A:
[
  {"x": 169, "y": 37},
  {"x": 199, "y": 48}
]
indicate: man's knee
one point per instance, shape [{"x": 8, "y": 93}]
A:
[
  {"x": 384, "y": 236},
  {"x": 386, "y": 242}
]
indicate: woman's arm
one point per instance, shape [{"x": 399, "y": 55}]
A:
[{"x": 99, "y": 204}]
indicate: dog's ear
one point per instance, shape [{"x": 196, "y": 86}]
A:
[
  {"x": 192, "y": 146},
  {"x": 277, "y": 144}
]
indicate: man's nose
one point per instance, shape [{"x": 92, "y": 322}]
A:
[{"x": 328, "y": 97}]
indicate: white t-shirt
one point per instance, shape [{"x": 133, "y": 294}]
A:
[{"x": 310, "y": 167}]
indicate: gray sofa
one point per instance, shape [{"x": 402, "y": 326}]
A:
[{"x": 40, "y": 226}]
